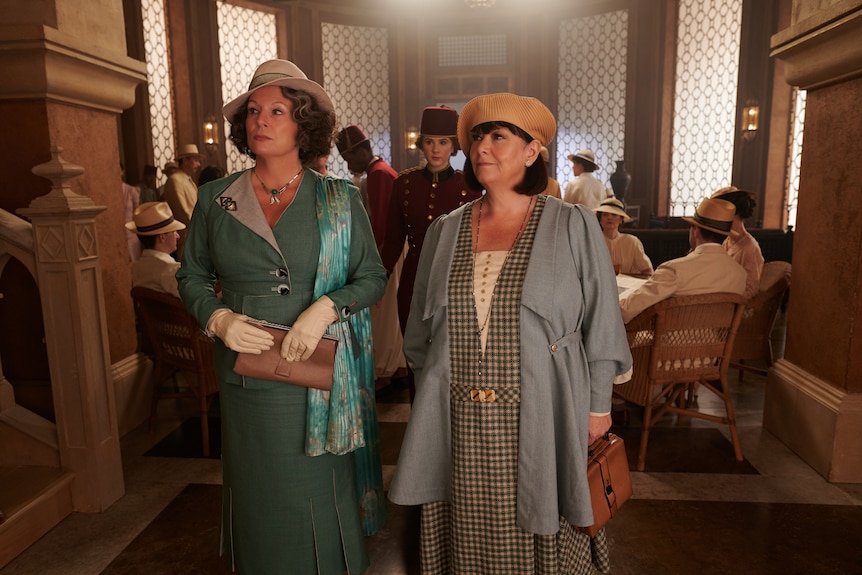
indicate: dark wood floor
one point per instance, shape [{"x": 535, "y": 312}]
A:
[{"x": 694, "y": 510}]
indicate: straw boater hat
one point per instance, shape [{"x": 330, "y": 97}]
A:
[
  {"x": 585, "y": 156},
  {"x": 613, "y": 206},
  {"x": 279, "y": 73},
  {"x": 714, "y": 215},
  {"x": 349, "y": 138},
  {"x": 154, "y": 218},
  {"x": 529, "y": 114}
]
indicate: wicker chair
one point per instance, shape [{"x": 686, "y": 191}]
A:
[
  {"x": 178, "y": 345},
  {"x": 754, "y": 339},
  {"x": 675, "y": 344}
]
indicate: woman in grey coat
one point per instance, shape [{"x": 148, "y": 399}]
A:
[{"x": 515, "y": 336}]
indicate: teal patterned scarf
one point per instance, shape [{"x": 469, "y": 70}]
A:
[
  {"x": 336, "y": 418},
  {"x": 345, "y": 419}
]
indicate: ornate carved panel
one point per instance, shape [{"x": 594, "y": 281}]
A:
[{"x": 51, "y": 244}]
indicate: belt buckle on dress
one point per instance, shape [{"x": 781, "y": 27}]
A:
[{"x": 483, "y": 395}]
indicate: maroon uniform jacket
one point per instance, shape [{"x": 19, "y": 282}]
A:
[
  {"x": 378, "y": 186},
  {"x": 418, "y": 197}
]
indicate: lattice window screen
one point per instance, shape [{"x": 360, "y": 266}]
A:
[
  {"x": 485, "y": 50},
  {"x": 794, "y": 158},
  {"x": 592, "y": 91},
  {"x": 707, "y": 68},
  {"x": 247, "y": 38},
  {"x": 158, "y": 82},
  {"x": 356, "y": 76}
]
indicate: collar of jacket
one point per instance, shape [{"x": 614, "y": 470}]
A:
[{"x": 438, "y": 177}]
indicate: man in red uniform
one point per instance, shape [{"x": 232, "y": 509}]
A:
[
  {"x": 376, "y": 189},
  {"x": 421, "y": 194},
  {"x": 379, "y": 176}
]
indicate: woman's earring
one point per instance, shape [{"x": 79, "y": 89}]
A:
[{"x": 528, "y": 164}]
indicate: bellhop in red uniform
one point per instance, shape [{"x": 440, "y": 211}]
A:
[
  {"x": 379, "y": 176},
  {"x": 421, "y": 194}
]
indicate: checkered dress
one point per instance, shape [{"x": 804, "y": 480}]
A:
[{"x": 477, "y": 533}]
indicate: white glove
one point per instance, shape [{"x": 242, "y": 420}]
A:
[
  {"x": 236, "y": 333},
  {"x": 302, "y": 339}
]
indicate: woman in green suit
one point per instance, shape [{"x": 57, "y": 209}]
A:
[{"x": 301, "y": 469}]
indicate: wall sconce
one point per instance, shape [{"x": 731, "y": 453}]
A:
[
  {"x": 210, "y": 133},
  {"x": 480, "y": 3},
  {"x": 411, "y": 136},
  {"x": 750, "y": 120}
]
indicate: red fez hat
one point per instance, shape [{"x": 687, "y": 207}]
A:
[
  {"x": 349, "y": 137},
  {"x": 439, "y": 121}
]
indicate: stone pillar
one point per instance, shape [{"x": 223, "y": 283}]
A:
[
  {"x": 814, "y": 395},
  {"x": 66, "y": 79},
  {"x": 70, "y": 283}
]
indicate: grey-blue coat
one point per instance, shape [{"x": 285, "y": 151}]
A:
[{"x": 573, "y": 343}]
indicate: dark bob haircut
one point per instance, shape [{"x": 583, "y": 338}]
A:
[
  {"x": 535, "y": 179},
  {"x": 316, "y": 126}
]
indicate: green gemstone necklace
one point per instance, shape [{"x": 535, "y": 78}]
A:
[{"x": 273, "y": 198}]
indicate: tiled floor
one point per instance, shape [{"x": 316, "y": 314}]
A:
[{"x": 695, "y": 509}]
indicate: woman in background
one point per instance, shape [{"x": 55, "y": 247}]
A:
[
  {"x": 742, "y": 246},
  {"x": 419, "y": 195},
  {"x": 515, "y": 351},
  {"x": 627, "y": 251},
  {"x": 292, "y": 247}
]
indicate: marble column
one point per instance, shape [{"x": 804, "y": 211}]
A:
[{"x": 814, "y": 394}]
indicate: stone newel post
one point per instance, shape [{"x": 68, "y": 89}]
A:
[{"x": 70, "y": 285}]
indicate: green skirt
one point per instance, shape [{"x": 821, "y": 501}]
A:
[{"x": 283, "y": 511}]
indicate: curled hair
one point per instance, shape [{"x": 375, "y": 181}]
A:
[
  {"x": 316, "y": 126},
  {"x": 743, "y": 202},
  {"x": 536, "y": 177}
]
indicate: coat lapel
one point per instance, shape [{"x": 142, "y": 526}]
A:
[
  {"x": 541, "y": 271},
  {"x": 240, "y": 202}
]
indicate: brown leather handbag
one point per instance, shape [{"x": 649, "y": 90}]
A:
[
  {"x": 316, "y": 371},
  {"x": 609, "y": 478}
]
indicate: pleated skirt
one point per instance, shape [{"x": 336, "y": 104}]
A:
[{"x": 282, "y": 511}]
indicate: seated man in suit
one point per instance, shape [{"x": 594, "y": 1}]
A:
[
  {"x": 706, "y": 269},
  {"x": 157, "y": 229}
]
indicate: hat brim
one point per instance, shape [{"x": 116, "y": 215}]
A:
[
  {"x": 230, "y": 109},
  {"x": 573, "y": 157},
  {"x": 613, "y": 210},
  {"x": 692, "y": 221},
  {"x": 174, "y": 226}
]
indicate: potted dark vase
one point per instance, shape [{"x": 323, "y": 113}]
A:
[{"x": 621, "y": 180}]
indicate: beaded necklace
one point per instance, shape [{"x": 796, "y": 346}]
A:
[
  {"x": 273, "y": 198},
  {"x": 484, "y": 324}
]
